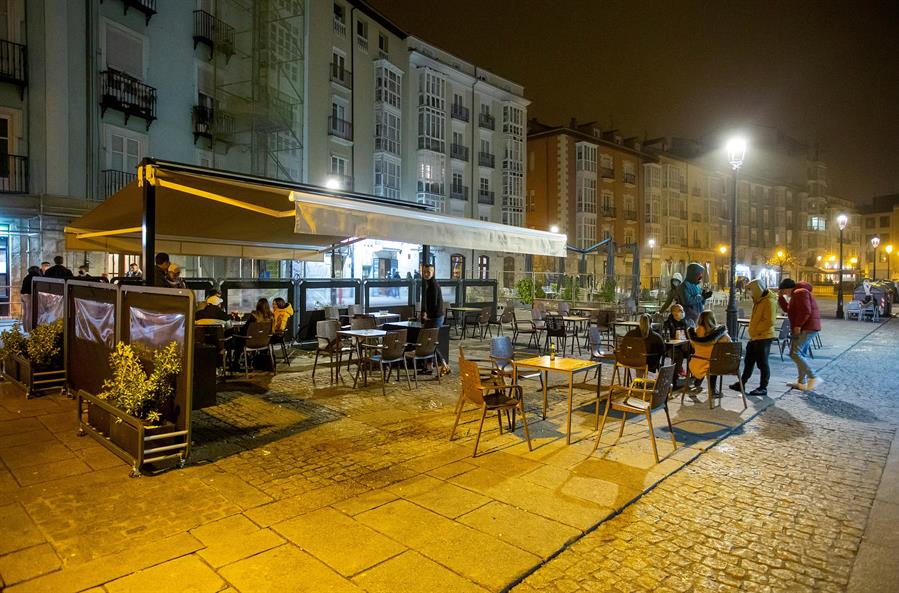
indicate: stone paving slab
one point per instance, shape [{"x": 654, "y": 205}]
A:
[{"x": 290, "y": 472}]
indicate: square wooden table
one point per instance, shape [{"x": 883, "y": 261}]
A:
[{"x": 559, "y": 365}]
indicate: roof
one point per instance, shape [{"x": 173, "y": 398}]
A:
[
  {"x": 374, "y": 14},
  {"x": 203, "y": 211},
  {"x": 878, "y": 204},
  {"x": 537, "y": 129}
]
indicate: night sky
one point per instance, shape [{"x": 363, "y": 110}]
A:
[{"x": 823, "y": 72}]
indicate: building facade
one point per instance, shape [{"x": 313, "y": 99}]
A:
[
  {"x": 328, "y": 92},
  {"x": 880, "y": 219}
]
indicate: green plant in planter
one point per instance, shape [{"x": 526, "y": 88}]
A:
[
  {"x": 14, "y": 342},
  {"x": 525, "y": 290},
  {"x": 44, "y": 345},
  {"x": 132, "y": 390}
]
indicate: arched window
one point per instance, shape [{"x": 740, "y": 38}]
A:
[
  {"x": 483, "y": 267},
  {"x": 457, "y": 266}
]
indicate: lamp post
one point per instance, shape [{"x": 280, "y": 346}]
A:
[
  {"x": 842, "y": 221},
  {"x": 780, "y": 261},
  {"x": 722, "y": 249},
  {"x": 652, "y": 246},
  {"x": 889, "y": 250},
  {"x": 736, "y": 151},
  {"x": 875, "y": 243}
]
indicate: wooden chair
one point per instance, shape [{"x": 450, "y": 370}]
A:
[
  {"x": 630, "y": 357},
  {"x": 641, "y": 400},
  {"x": 425, "y": 349},
  {"x": 354, "y": 310},
  {"x": 331, "y": 344},
  {"x": 390, "y": 352},
  {"x": 488, "y": 398},
  {"x": 332, "y": 313},
  {"x": 257, "y": 339}
]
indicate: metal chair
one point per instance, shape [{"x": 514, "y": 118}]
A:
[
  {"x": 725, "y": 360},
  {"x": 526, "y": 327},
  {"x": 354, "y": 310},
  {"x": 564, "y": 308},
  {"x": 332, "y": 313},
  {"x": 783, "y": 338},
  {"x": 502, "y": 353},
  {"x": 641, "y": 400},
  {"x": 483, "y": 326},
  {"x": 331, "y": 344},
  {"x": 257, "y": 339},
  {"x": 506, "y": 317},
  {"x": 363, "y": 322},
  {"x": 425, "y": 349},
  {"x": 854, "y": 309},
  {"x": 392, "y": 351},
  {"x": 557, "y": 330},
  {"x": 488, "y": 398},
  {"x": 214, "y": 335}
]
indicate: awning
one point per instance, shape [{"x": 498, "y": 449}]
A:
[{"x": 206, "y": 212}]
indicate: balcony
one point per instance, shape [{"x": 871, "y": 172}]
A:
[
  {"x": 608, "y": 211},
  {"x": 696, "y": 218},
  {"x": 339, "y": 27},
  {"x": 12, "y": 64},
  {"x": 147, "y": 7},
  {"x": 630, "y": 215},
  {"x": 630, "y": 178},
  {"x": 683, "y": 242},
  {"x": 341, "y": 76},
  {"x": 607, "y": 172},
  {"x": 14, "y": 174},
  {"x": 486, "y": 197},
  {"x": 459, "y": 152},
  {"x": 428, "y": 143},
  {"x": 680, "y": 213},
  {"x": 460, "y": 112},
  {"x": 459, "y": 192},
  {"x": 211, "y": 123},
  {"x": 214, "y": 32},
  {"x": 340, "y": 128},
  {"x": 112, "y": 181},
  {"x": 487, "y": 159},
  {"x": 127, "y": 94},
  {"x": 487, "y": 121},
  {"x": 697, "y": 244},
  {"x": 362, "y": 42}
]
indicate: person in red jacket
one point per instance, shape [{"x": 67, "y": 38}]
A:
[{"x": 805, "y": 323}]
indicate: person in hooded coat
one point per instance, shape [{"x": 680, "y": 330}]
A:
[
  {"x": 805, "y": 323},
  {"x": 690, "y": 293},
  {"x": 703, "y": 339},
  {"x": 676, "y": 281},
  {"x": 761, "y": 333}
]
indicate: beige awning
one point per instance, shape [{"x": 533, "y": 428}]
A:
[{"x": 204, "y": 212}]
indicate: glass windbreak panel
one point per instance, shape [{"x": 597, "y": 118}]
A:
[
  {"x": 319, "y": 298},
  {"x": 151, "y": 330},
  {"x": 95, "y": 321},
  {"x": 449, "y": 294},
  {"x": 243, "y": 300},
  {"x": 478, "y": 294},
  {"x": 50, "y": 307},
  {"x": 387, "y": 296}
]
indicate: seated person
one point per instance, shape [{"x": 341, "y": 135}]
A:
[
  {"x": 655, "y": 345},
  {"x": 212, "y": 311},
  {"x": 675, "y": 327},
  {"x": 282, "y": 311},
  {"x": 703, "y": 339}
]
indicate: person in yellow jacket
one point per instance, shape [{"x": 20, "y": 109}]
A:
[
  {"x": 761, "y": 333},
  {"x": 281, "y": 312},
  {"x": 703, "y": 339}
]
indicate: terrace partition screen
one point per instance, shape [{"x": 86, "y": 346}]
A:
[
  {"x": 47, "y": 300},
  {"x": 90, "y": 333}
]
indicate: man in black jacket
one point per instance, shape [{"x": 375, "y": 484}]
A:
[
  {"x": 431, "y": 297},
  {"x": 58, "y": 270}
]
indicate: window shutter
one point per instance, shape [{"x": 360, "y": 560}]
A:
[{"x": 124, "y": 53}]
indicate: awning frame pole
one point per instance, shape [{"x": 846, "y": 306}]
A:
[{"x": 148, "y": 230}]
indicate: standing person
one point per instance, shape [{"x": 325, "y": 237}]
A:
[
  {"x": 431, "y": 297},
  {"x": 653, "y": 342},
  {"x": 160, "y": 271},
  {"x": 173, "y": 277},
  {"x": 82, "y": 273},
  {"x": 58, "y": 270},
  {"x": 690, "y": 293},
  {"x": 805, "y": 323},
  {"x": 674, "y": 283},
  {"x": 761, "y": 334},
  {"x": 25, "y": 295},
  {"x": 703, "y": 339}
]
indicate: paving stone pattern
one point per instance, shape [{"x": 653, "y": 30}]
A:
[{"x": 295, "y": 484}]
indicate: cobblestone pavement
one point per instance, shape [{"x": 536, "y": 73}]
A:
[
  {"x": 780, "y": 507},
  {"x": 295, "y": 484}
]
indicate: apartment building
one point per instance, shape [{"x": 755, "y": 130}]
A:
[
  {"x": 587, "y": 182},
  {"x": 329, "y": 92},
  {"x": 880, "y": 219}
]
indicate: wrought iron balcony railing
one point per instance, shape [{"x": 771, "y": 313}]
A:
[
  {"x": 340, "y": 128},
  {"x": 460, "y": 112},
  {"x": 341, "y": 76},
  {"x": 457, "y": 151},
  {"x": 14, "y": 174},
  {"x": 486, "y": 197},
  {"x": 214, "y": 32},
  {"x": 127, "y": 94},
  {"x": 487, "y": 159},
  {"x": 112, "y": 181},
  {"x": 13, "y": 64},
  {"x": 487, "y": 121},
  {"x": 459, "y": 192}
]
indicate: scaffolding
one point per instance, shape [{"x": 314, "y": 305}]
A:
[{"x": 258, "y": 70}]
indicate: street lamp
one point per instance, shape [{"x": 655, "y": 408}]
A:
[
  {"x": 889, "y": 250},
  {"x": 842, "y": 221},
  {"x": 736, "y": 152},
  {"x": 780, "y": 261},
  {"x": 875, "y": 243},
  {"x": 652, "y": 246}
]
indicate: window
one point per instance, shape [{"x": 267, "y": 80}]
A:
[
  {"x": 431, "y": 176},
  {"x": 362, "y": 33},
  {"x": 869, "y": 223},
  {"x": 388, "y": 86},
  {"x": 458, "y": 139},
  {"x": 387, "y": 131},
  {"x": 484, "y": 185},
  {"x": 387, "y": 176},
  {"x": 338, "y": 65},
  {"x": 383, "y": 43},
  {"x": 607, "y": 162},
  {"x": 124, "y": 51},
  {"x": 586, "y": 231},
  {"x": 513, "y": 120},
  {"x": 630, "y": 172},
  {"x": 483, "y": 267},
  {"x": 884, "y": 221},
  {"x": 431, "y": 111},
  {"x": 608, "y": 200},
  {"x": 586, "y": 157},
  {"x": 629, "y": 235},
  {"x": 458, "y": 101},
  {"x": 457, "y": 181},
  {"x": 457, "y": 266},
  {"x": 816, "y": 223},
  {"x": 586, "y": 194},
  {"x": 124, "y": 150},
  {"x": 339, "y": 13},
  {"x": 339, "y": 165},
  {"x": 485, "y": 146},
  {"x": 485, "y": 109}
]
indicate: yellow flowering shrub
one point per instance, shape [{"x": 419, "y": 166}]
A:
[
  {"x": 133, "y": 391},
  {"x": 12, "y": 342},
  {"x": 44, "y": 346}
]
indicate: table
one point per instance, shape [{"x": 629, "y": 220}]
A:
[
  {"x": 559, "y": 365},
  {"x": 670, "y": 345},
  {"x": 649, "y": 308},
  {"x": 463, "y": 311},
  {"x": 385, "y": 317},
  {"x": 358, "y": 335},
  {"x": 588, "y": 310},
  {"x": 413, "y": 327}
]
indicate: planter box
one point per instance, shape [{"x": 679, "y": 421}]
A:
[
  {"x": 127, "y": 436},
  {"x": 33, "y": 379}
]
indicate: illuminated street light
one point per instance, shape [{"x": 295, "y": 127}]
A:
[
  {"x": 652, "y": 246},
  {"x": 333, "y": 182},
  {"x": 554, "y": 229},
  {"x": 875, "y": 243},
  {"x": 723, "y": 249},
  {"x": 842, "y": 221},
  {"x": 889, "y": 250},
  {"x": 736, "y": 152}
]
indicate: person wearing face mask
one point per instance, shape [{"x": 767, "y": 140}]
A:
[
  {"x": 675, "y": 282},
  {"x": 675, "y": 327},
  {"x": 761, "y": 334}
]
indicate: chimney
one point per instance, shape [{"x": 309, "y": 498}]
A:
[{"x": 573, "y": 123}]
